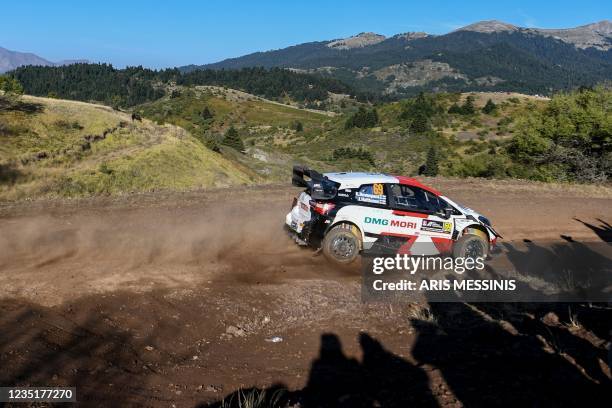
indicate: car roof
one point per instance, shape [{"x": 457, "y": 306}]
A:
[
  {"x": 356, "y": 179},
  {"x": 409, "y": 181}
]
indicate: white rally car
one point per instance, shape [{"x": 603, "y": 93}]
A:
[{"x": 343, "y": 213}]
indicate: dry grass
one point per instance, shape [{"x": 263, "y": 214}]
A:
[
  {"x": 46, "y": 153},
  {"x": 254, "y": 398},
  {"x": 422, "y": 313}
]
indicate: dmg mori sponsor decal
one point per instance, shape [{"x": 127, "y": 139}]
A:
[
  {"x": 392, "y": 223},
  {"x": 437, "y": 226},
  {"x": 377, "y": 221},
  {"x": 403, "y": 224}
]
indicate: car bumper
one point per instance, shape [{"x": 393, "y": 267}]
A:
[{"x": 293, "y": 224}]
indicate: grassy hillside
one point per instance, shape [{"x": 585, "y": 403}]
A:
[
  {"x": 274, "y": 142},
  {"x": 226, "y": 106},
  {"x": 397, "y": 147},
  {"x": 265, "y": 126},
  {"x": 51, "y": 147}
]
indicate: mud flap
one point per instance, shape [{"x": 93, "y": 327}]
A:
[{"x": 295, "y": 237}]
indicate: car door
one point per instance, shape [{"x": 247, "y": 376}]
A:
[
  {"x": 407, "y": 211},
  {"x": 418, "y": 213},
  {"x": 368, "y": 209}
]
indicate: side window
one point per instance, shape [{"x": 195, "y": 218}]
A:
[
  {"x": 444, "y": 205},
  {"x": 371, "y": 194},
  {"x": 409, "y": 198},
  {"x": 433, "y": 202}
]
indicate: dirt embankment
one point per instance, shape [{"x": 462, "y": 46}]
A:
[{"x": 161, "y": 299}]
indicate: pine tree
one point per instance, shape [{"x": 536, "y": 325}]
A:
[
  {"x": 10, "y": 85},
  {"x": 455, "y": 109},
  {"x": 206, "y": 113},
  {"x": 431, "y": 163},
  {"x": 372, "y": 118},
  {"x": 468, "y": 106},
  {"x": 232, "y": 139},
  {"x": 363, "y": 118},
  {"x": 419, "y": 124},
  {"x": 489, "y": 107}
]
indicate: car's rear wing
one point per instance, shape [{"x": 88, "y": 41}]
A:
[{"x": 317, "y": 185}]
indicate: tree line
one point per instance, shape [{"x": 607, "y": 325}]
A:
[
  {"x": 90, "y": 82},
  {"x": 136, "y": 85}
]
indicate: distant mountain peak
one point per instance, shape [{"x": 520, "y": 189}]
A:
[
  {"x": 357, "y": 41},
  {"x": 603, "y": 26},
  {"x": 489, "y": 26},
  {"x": 10, "y": 60},
  {"x": 595, "y": 35}
]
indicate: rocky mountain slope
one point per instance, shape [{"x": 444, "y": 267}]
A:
[{"x": 595, "y": 35}]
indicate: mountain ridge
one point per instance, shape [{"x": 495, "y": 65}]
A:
[
  {"x": 486, "y": 55},
  {"x": 9, "y": 60}
]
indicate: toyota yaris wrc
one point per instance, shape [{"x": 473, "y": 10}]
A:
[{"x": 343, "y": 213}]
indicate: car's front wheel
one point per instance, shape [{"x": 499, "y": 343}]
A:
[
  {"x": 471, "y": 246},
  {"x": 342, "y": 244}
]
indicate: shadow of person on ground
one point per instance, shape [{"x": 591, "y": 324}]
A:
[
  {"x": 381, "y": 379},
  {"x": 393, "y": 381},
  {"x": 603, "y": 231}
]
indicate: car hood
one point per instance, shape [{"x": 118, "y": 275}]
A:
[{"x": 465, "y": 210}]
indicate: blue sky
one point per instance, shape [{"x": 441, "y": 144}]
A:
[{"x": 163, "y": 33}]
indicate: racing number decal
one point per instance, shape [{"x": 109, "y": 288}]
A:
[{"x": 378, "y": 189}]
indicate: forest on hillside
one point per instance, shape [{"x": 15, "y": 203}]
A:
[{"x": 136, "y": 85}]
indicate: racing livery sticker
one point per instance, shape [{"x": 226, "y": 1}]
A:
[
  {"x": 437, "y": 226},
  {"x": 377, "y": 221},
  {"x": 371, "y": 198},
  {"x": 392, "y": 223}
]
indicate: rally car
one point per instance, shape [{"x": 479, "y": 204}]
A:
[{"x": 343, "y": 213}]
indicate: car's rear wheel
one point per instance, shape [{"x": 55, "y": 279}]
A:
[
  {"x": 342, "y": 244},
  {"x": 471, "y": 246}
]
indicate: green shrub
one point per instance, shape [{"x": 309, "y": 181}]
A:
[{"x": 233, "y": 140}]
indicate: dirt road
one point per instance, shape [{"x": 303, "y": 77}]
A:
[{"x": 175, "y": 299}]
